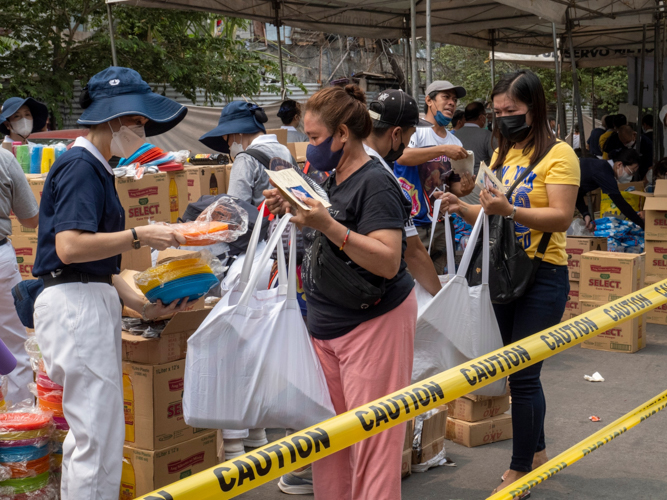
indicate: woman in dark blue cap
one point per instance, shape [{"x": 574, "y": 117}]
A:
[
  {"x": 240, "y": 129},
  {"x": 81, "y": 237},
  {"x": 21, "y": 117}
]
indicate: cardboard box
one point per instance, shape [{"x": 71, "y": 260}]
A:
[
  {"x": 406, "y": 462},
  {"x": 36, "y": 182},
  {"x": 607, "y": 276},
  {"x": 472, "y": 411},
  {"x": 25, "y": 248},
  {"x": 149, "y": 198},
  {"x": 206, "y": 180},
  {"x": 153, "y": 397},
  {"x": 432, "y": 439},
  {"x": 136, "y": 260},
  {"x": 634, "y": 199},
  {"x": 172, "y": 344},
  {"x": 657, "y": 316},
  {"x": 145, "y": 471},
  {"x": 281, "y": 134},
  {"x": 572, "y": 306},
  {"x": 487, "y": 431},
  {"x": 576, "y": 247},
  {"x": 656, "y": 213},
  {"x": 656, "y": 258},
  {"x": 298, "y": 150},
  {"x": 627, "y": 336}
]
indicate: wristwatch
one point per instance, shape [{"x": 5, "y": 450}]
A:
[
  {"x": 136, "y": 244},
  {"x": 511, "y": 216}
]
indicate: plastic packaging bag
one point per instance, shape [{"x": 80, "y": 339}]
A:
[
  {"x": 223, "y": 221},
  {"x": 253, "y": 365},
  {"x": 173, "y": 269},
  {"x": 459, "y": 324}
]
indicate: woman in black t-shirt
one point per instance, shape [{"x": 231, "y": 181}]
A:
[{"x": 366, "y": 352}]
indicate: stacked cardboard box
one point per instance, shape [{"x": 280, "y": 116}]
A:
[
  {"x": 36, "y": 182},
  {"x": 657, "y": 316},
  {"x": 477, "y": 420},
  {"x": 160, "y": 447},
  {"x": 656, "y": 233},
  {"x": 605, "y": 277},
  {"x": 575, "y": 248},
  {"x": 207, "y": 180},
  {"x": 406, "y": 462}
]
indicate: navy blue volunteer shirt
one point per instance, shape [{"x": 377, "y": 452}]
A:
[{"x": 80, "y": 194}]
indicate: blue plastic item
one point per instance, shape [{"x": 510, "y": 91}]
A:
[
  {"x": 135, "y": 155},
  {"x": 36, "y": 159},
  {"x": 22, "y": 453},
  {"x": 60, "y": 149},
  {"x": 194, "y": 287}
]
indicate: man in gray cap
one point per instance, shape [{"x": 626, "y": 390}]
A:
[{"x": 425, "y": 165}]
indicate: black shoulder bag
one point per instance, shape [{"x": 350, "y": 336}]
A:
[{"x": 511, "y": 271}]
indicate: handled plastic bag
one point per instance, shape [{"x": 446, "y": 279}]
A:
[
  {"x": 252, "y": 364},
  {"x": 459, "y": 323}
]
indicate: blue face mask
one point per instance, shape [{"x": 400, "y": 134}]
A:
[
  {"x": 321, "y": 157},
  {"x": 442, "y": 120}
]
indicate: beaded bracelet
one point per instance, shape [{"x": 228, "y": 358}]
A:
[{"x": 347, "y": 235}]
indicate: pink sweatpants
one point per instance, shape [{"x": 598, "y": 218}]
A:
[{"x": 371, "y": 361}]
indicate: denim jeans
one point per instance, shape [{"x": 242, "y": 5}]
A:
[{"x": 541, "y": 307}]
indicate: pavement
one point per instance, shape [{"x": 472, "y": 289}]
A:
[{"x": 632, "y": 466}]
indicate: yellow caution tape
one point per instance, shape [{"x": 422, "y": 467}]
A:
[
  {"x": 583, "y": 448},
  {"x": 236, "y": 476}
]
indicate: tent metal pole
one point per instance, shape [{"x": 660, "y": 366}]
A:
[
  {"x": 406, "y": 64},
  {"x": 575, "y": 86},
  {"x": 493, "y": 58},
  {"x": 114, "y": 60},
  {"x": 559, "y": 93},
  {"x": 413, "y": 48},
  {"x": 657, "y": 126},
  {"x": 429, "y": 62},
  {"x": 661, "y": 79},
  {"x": 639, "y": 78},
  {"x": 283, "y": 90}
]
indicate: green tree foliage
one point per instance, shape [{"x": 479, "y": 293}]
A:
[
  {"x": 50, "y": 44},
  {"x": 471, "y": 69}
]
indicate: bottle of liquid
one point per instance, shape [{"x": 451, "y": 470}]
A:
[
  {"x": 213, "y": 185},
  {"x": 128, "y": 406},
  {"x": 128, "y": 483},
  {"x": 173, "y": 200}
]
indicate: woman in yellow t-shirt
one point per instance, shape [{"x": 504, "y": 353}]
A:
[{"x": 543, "y": 202}]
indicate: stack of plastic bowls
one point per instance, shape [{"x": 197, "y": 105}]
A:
[
  {"x": 176, "y": 279},
  {"x": 25, "y": 450},
  {"x": 50, "y": 399}
]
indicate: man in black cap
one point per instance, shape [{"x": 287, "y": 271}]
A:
[{"x": 395, "y": 118}]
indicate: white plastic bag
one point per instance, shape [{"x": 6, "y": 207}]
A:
[
  {"x": 253, "y": 365},
  {"x": 459, "y": 324}
]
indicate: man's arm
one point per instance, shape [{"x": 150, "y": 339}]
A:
[{"x": 416, "y": 156}]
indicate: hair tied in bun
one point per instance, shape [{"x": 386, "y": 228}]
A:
[
  {"x": 356, "y": 93},
  {"x": 84, "y": 98}
]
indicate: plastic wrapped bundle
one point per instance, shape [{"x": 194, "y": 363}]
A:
[
  {"x": 3, "y": 391},
  {"x": 189, "y": 276},
  {"x": 36, "y": 361},
  {"x": 222, "y": 221},
  {"x": 25, "y": 455}
]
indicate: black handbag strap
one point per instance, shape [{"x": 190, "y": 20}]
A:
[
  {"x": 262, "y": 157},
  {"x": 546, "y": 237}
]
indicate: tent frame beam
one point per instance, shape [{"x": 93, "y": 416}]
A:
[{"x": 575, "y": 86}]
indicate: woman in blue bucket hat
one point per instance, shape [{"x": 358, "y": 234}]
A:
[
  {"x": 241, "y": 130},
  {"x": 81, "y": 237},
  {"x": 20, "y": 117}
]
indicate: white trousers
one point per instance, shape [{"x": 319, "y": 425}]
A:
[
  {"x": 78, "y": 327},
  {"x": 12, "y": 332}
]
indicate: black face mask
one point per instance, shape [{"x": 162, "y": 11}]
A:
[
  {"x": 394, "y": 155},
  {"x": 514, "y": 127}
]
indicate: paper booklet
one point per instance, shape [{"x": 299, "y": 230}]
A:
[
  {"x": 294, "y": 189},
  {"x": 486, "y": 178},
  {"x": 465, "y": 165}
]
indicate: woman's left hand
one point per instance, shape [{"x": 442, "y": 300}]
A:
[
  {"x": 496, "y": 204},
  {"x": 317, "y": 217},
  {"x": 159, "y": 310}
]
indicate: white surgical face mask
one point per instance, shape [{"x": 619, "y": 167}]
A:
[
  {"x": 623, "y": 175},
  {"x": 22, "y": 127},
  {"x": 127, "y": 140},
  {"x": 235, "y": 149},
  {"x": 629, "y": 144}
]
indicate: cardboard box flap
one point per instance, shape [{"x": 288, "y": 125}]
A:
[
  {"x": 656, "y": 203},
  {"x": 175, "y": 253},
  {"x": 660, "y": 187},
  {"x": 184, "y": 322},
  {"x": 613, "y": 255}
]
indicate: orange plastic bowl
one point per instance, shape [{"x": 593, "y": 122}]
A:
[
  {"x": 196, "y": 233},
  {"x": 55, "y": 408},
  {"x": 27, "y": 469}
]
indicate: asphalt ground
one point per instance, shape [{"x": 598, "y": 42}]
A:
[{"x": 632, "y": 466}]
